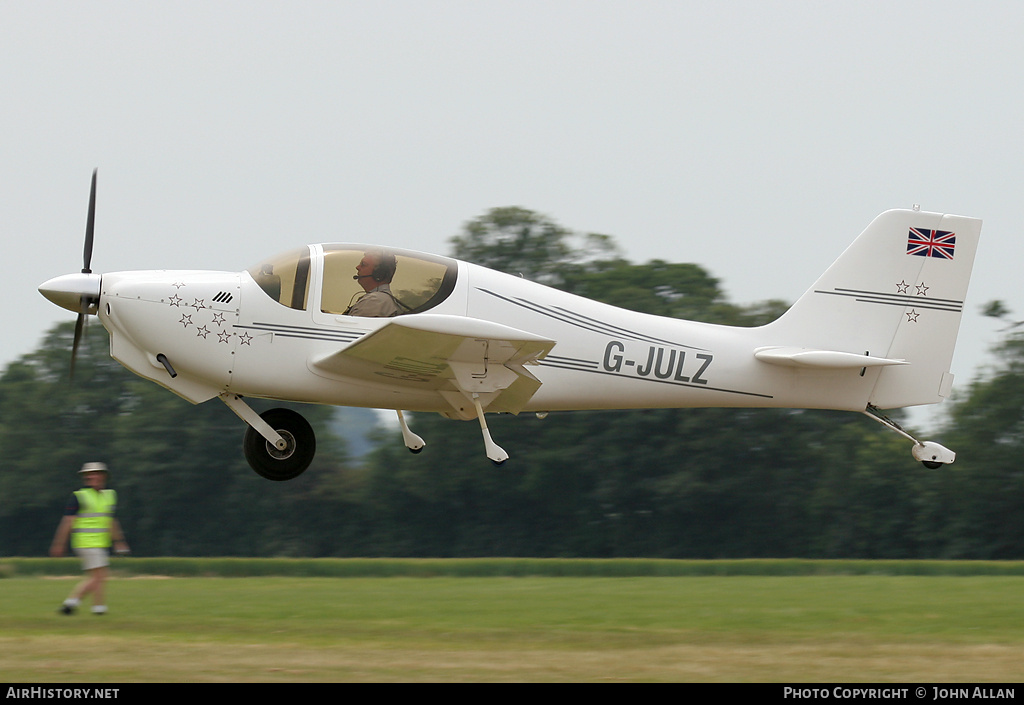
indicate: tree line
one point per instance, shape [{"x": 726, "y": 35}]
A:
[{"x": 676, "y": 483}]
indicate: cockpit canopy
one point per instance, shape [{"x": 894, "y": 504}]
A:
[{"x": 420, "y": 281}]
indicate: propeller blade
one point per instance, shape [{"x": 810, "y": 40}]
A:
[
  {"x": 89, "y": 227},
  {"x": 85, "y": 300},
  {"x": 79, "y": 326}
]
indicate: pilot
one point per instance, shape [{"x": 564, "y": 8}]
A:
[
  {"x": 374, "y": 273},
  {"x": 89, "y": 521}
]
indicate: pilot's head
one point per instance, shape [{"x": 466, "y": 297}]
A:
[{"x": 375, "y": 268}]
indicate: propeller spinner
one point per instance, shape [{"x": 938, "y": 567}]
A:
[{"x": 78, "y": 292}]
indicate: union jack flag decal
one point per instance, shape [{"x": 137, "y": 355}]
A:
[{"x": 931, "y": 243}]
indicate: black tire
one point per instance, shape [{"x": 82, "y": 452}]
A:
[{"x": 281, "y": 465}]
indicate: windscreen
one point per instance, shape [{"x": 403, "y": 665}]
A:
[{"x": 285, "y": 278}]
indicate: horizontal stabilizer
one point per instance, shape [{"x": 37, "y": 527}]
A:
[{"x": 830, "y": 359}]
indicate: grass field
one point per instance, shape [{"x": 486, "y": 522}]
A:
[{"x": 812, "y": 628}]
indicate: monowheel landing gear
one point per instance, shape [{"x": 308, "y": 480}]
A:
[
  {"x": 281, "y": 463},
  {"x": 279, "y": 444}
]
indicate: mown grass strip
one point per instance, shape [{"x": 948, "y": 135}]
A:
[
  {"x": 843, "y": 628},
  {"x": 506, "y": 567}
]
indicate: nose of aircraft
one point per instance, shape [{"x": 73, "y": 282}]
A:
[{"x": 71, "y": 291}]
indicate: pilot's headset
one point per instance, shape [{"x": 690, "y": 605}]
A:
[{"x": 386, "y": 267}]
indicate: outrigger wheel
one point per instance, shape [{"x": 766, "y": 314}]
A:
[{"x": 292, "y": 461}]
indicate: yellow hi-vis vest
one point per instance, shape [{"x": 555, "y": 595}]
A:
[{"x": 91, "y": 528}]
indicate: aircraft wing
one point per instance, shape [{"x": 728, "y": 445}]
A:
[{"x": 447, "y": 354}]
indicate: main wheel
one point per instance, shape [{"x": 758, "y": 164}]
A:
[{"x": 286, "y": 464}]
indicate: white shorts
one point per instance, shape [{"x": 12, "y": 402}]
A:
[{"x": 93, "y": 557}]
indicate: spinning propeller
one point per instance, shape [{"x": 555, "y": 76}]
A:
[{"x": 78, "y": 292}]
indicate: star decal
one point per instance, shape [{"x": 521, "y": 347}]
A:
[
  {"x": 224, "y": 336},
  {"x": 175, "y": 300},
  {"x": 178, "y": 285},
  {"x": 186, "y": 320},
  {"x": 922, "y": 290},
  {"x": 902, "y": 287},
  {"x": 198, "y": 304},
  {"x": 218, "y": 318},
  {"x": 245, "y": 339},
  {"x": 912, "y": 316},
  {"x": 202, "y": 332}
]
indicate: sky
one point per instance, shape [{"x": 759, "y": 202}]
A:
[{"x": 754, "y": 138}]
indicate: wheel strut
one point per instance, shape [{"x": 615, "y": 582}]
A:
[
  {"x": 244, "y": 412},
  {"x": 495, "y": 452},
  {"x": 413, "y": 442},
  {"x": 928, "y": 453}
]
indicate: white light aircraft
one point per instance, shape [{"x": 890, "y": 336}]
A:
[{"x": 876, "y": 331}]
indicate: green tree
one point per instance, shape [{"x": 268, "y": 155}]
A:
[
  {"x": 978, "y": 503},
  {"x": 665, "y": 482},
  {"x": 46, "y": 422},
  {"x": 184, "y": 487},
  {"x": 659, "y": 482},
  {"x": 522, "y": 242}
]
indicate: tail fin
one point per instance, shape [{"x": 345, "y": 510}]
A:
[{"x": 897, "y": 293}]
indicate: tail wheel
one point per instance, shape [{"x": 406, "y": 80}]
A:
[{"x": 284, "y": 464}]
